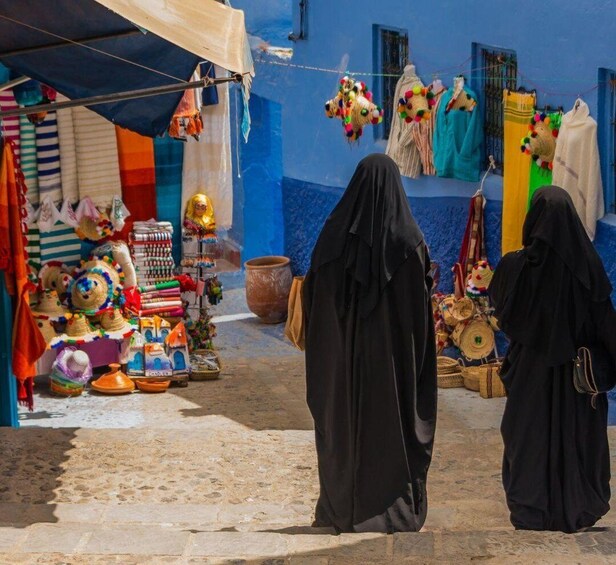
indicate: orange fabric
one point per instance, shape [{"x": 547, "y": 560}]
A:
[
  {"x": 136, "y": 155},
  {"x": 28, "y": 343}
]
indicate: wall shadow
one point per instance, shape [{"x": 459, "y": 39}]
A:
[{"x": 31, "y": 469}]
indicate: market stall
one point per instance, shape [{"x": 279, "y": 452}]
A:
[{"x": 89, "y": 185}]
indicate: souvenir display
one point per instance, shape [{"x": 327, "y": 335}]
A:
[
  {"x": 109, "y": 266},
  {"x": 157, "y": 363},
  {"x": 415, "y": 104},
  {"x": 135, "y": 364},
  {"x": 163, "y": 299},
  {"x": 204, "y": 365},
  {"x": 213, "y": 290},
  {"x": 113, "y": 382},
  {"x": 354, "y": 106},
  {"x": 176, "y": 344}
]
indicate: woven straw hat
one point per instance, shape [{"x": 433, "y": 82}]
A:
[
  {"x": 91, "y": 292},
  {"x": 481, "y": 276},
  {"x": 115, "y": 325},
  {"x": 475, "y": 339},
  {"x": 107, "y": 264},
  {"x": 463, "y": 309},
  {"x": 46, "y": 328},
  {"x": 78, "y": 330},
  {"x": 50, "y": 307},
  {"x": 446, "y": 310},
  {"x": 95, "y": 230},
  {"x": 78, "y": 361},
  {"x": 54, "y": 276},
  {"x": 415, "y": 104},
  {"x": 540, "y": 142}
]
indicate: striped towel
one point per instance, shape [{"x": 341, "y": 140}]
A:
[
  {"x": 61, "y": 244},
  {"x": 34, "y": 247},
  {"x": 68, "y": 157},
  {"x": 48, "y": 158},
  {"x": 168, "y": 157},
  {"x": 98, "y": 167},
  {"x": 27, "y": 132},
  {"x": 10, "y": 126}
]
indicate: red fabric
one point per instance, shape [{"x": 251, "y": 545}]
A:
[
  {"x": 28, "y": 343},
  {"x": 473, "y": 245},
  {"x": 137, "y": 174}
]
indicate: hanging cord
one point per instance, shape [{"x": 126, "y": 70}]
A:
[{"x": 100, "y": 51}]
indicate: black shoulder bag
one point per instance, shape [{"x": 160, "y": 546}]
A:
[{"x": 594, "y": 371}]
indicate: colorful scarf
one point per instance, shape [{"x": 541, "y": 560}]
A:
[
  {"x": 28, "y": 343},
  {"x": 169, "y": 157},
  {"x": 27, "y": 132},
  {"x": 136, "y": 156},
  {"x": 518, "y": 110},
  {"x": 68, "y": 155},
  {"x": 10, "y": 125}
]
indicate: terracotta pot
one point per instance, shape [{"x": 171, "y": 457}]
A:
[
  {"x": 113, "y": 382},
  {"x": 268, "y": 283}
]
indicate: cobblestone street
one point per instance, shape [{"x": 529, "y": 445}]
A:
[{"x": 225, "y": 472}]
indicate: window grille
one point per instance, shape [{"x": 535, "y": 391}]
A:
[
  {"x": 392, "y": 56},
  {"x": 496, "y": 71},
  {"x": 300, "y": 27}
]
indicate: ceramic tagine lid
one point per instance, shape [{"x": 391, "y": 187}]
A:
[{"x": 114, "y": 382}]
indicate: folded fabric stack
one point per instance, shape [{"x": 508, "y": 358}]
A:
[
  {"x": 163, "y": 299},
  {"x": 151, "y": 248}
]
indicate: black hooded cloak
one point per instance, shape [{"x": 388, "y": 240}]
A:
[
  {"x": 370, "y": 357},
  {"x": 550, "y": 298}
]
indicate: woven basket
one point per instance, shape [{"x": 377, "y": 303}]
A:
[
  {"x": 463, "y": 309},
  {"x": 446, "y": 365},
  {"x": 475, "y": 339},
  {"x": 446, "y": 310},
  {"x": 471, "y": 378},
  {"x": 205, "y": 374},
  {"x": 490, "y": 384},
  {"x": 450, "y": 380}
]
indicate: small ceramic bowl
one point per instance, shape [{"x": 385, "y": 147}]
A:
[{"x": 145, "y": 385}]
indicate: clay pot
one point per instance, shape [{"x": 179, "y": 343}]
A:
[
  {"x": 113, "y": 382},
  {"x": 268, "y": 283}
]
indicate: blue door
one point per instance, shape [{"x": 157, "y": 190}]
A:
[
  {"x": 158, "y": 364},
  {"x": 137, "y": 364},
  {"x": 179, "y": 361}
]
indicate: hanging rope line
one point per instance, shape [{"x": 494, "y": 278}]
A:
[
  {"x": 100, "y": 51},
  {"x": 463, "y": 66}
]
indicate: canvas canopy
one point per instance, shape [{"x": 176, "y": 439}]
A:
[{"x": 83, "y": 49}]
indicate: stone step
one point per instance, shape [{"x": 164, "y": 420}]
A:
[{"x": 275, "y": 547}]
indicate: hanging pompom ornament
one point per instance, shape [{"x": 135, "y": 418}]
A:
[
  {"x": 355, "y": 108},
  {"x": 416, "y": 104},
  {"x": 540, "y": 142}
]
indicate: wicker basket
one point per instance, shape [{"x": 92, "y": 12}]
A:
[
  {"x": 450, "y": 380},
  {"x": 471, "y": 378},
  {"x": 446, "y": 365},
  {"x": 490, "y": 384},
  {"x": 206, "y": 374},
  {"x": 473, "y": 375}
]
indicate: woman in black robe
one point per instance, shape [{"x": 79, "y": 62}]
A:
[
  {"x": 552, "y": 297},
  {"x": 370, "y": 357}
]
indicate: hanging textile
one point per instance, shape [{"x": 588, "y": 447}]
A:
[
  {"x": 136, "y": 158},
  {"x": 10, "y": 125},
  {"x": 48, "y": 158},
  {"x": 458, "y": 135},
  {"x": 68, "y": 157},
  {"x": 59, "y": 242},
  {"x": 27, "y": 133},
  {"x": 423, "y": 133},
  {"x": 98, "y": 168},
  {"x": 168, "y": 158},
  {"x": 576, "y": 165},
  {"x": 518, "y": 110},
  {"x": 473, "y": 247},
  {"x": 27, "y": 343},
  {"x": 207, "y": 162},
  {"x": 401, "y": 146}
]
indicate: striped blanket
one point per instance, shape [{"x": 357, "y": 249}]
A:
[
  {"x": 61, "y": 244},
  {"x": 68, "y": 156},
  {"x": 48, "y": 158},
  {"x": 27, "y": 132},
  {"x": 10, "y": 126},
  {"x": 98, "y": 167}
]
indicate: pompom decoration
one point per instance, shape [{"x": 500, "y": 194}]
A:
[
  {"x": 415, "y": 105},
  {"x": 539, "y": 141},
  {"x": 354, "y": 107}
]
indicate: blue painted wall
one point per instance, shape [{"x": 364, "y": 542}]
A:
[{"x": 317, "y": 162}]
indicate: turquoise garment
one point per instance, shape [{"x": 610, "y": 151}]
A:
[{"x": 458, "y": 135}]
